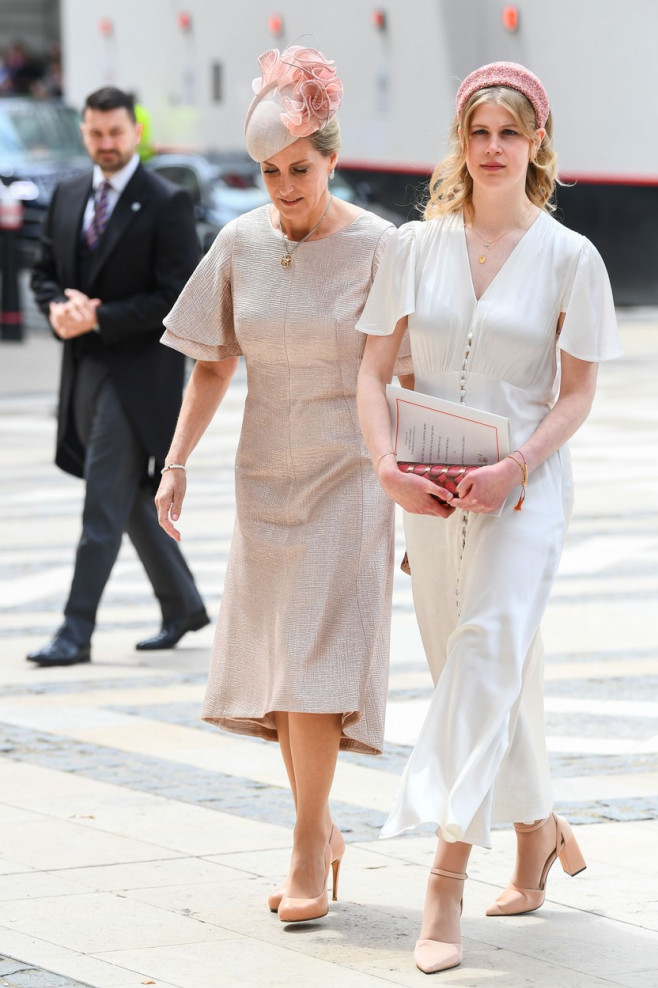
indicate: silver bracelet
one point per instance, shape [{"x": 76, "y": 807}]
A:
[
  {"x": 174, "y": 466},
  {"x": 390, "y": 452}
]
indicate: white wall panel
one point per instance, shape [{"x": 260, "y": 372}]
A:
[{"x": 596, "y": 58}]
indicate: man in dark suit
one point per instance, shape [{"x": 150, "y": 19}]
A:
[{"x": 117, "y": 248}]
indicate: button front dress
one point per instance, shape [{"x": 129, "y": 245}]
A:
[
  {"x": 305, "y": 614},
  {"x": 481, "y": 583}
]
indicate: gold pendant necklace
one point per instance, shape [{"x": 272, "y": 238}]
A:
[
  {"x": 286, "y": 260},
  {"x": 489, "y": 243}
]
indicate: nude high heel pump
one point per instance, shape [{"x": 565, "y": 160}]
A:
[
  {"x": 275, "y": 897},
  {"x": 337, "y": 845},
  {"x": 434, "y": 955},
  {"x": 297, "y": 910},
  {"x": 515, "y": 900}
]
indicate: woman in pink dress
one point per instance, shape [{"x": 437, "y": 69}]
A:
[{"x": 301, "y": 649}]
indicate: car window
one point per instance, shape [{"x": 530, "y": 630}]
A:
[
  {"x": 40, "y": 129},
  {"x": 234, "y": 179},
  {"x": 183, "y": 176},
  {"x": 9, "y": 139}
]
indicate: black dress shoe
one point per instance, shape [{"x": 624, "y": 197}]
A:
[
  {"x": 60, "y": 651},
  {"x": 172, "y": 631}
]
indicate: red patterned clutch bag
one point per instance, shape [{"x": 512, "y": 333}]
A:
[{"x": 444, "y": 474}]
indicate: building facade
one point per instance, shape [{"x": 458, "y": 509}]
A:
[{"x": 191, "y": 62}]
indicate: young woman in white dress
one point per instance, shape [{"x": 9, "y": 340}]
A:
[{"x": 510, "y": 312}]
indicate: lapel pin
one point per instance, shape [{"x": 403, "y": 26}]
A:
[{"x": 136, "y": 206}]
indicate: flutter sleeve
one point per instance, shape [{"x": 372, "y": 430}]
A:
[
  {"x": 589, "y": 330},
  {"x": 201, "y": 322},
  {"x": 403, "y": 362},
  {"x": 393, "y": 292}
]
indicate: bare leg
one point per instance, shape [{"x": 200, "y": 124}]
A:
[
  {"x": 440, "y": 944},
  {"x": 281, "y": 721},
  {"x": 442, "y": 911},
  {"x": 283, "y": 732},
  {"x": 333, "y": 835},
  {"x": 314, "y": 741},
  {"x": 532, "y": 851}
]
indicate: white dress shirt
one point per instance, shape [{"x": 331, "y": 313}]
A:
[{"x": 117, "y": 183}]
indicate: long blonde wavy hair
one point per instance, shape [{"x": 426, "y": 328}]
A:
[{"x": 451, "y": 186}]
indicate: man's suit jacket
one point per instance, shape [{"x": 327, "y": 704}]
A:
[{"x": 147, "y": 253}]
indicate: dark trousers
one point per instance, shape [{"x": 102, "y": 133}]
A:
[{"x": 116, "y": 503}]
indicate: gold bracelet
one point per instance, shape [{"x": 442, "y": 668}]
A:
[
  {"x": 390, "y": 452},
  {"x": 523, "y": 467}
]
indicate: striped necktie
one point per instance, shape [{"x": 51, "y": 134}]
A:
[{"x": 94, "y": 231}]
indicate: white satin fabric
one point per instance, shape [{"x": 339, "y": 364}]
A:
[{"x": 481, "y": 583}]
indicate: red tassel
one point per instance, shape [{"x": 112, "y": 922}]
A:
[{"x": 519, "y": 503}]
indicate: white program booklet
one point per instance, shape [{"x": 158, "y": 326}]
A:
[{"x": 431, "y": 430}]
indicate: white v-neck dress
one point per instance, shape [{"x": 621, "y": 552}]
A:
[{"x": 481, "y": 583}]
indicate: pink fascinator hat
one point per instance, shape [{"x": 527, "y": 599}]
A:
[
  {"x": 298, "y": 93},
  {"x": 513, "y": 76}
]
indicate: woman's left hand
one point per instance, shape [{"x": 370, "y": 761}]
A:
[
  {"x": 486, "y": 489},
  {"x": 169, "y": 501}
]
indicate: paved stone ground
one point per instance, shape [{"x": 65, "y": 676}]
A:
[
  {"x": 15, "y": 974},
  {"x": 125, "y": 821}
]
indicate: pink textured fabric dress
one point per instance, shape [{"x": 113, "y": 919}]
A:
[{"x": 305, "y": 613}]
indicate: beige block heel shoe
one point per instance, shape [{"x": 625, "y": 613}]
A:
[{"x": 514, "y": 900}]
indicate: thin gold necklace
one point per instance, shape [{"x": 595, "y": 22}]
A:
[
  {"x": 286, "y": 260},
  {"x": 489, "y": 243}
]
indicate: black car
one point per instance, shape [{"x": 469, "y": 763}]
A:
[
  {"x": 40, "y": 144},
  {"x": 222, "y": 186},
  {"x": 225, "y": 185}
]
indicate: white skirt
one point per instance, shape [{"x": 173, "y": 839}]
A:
[{"x": 480, "y": 586}]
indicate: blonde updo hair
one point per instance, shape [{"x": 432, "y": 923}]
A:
[
  {"x": 451, "y": 186},
  {"x": 327, "y": 140}
]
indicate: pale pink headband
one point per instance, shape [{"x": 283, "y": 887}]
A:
[{"x": 513, "y": 76}]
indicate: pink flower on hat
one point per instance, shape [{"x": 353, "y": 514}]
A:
[
  {"x": 313, "y": 104},
  {"x": 315, "y": 91},
  {"x": 274, "y": 71}
]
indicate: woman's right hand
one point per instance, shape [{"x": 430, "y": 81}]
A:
[
  {"x": 413, "y": 493},
  {"x": 169, "y": 500}
]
